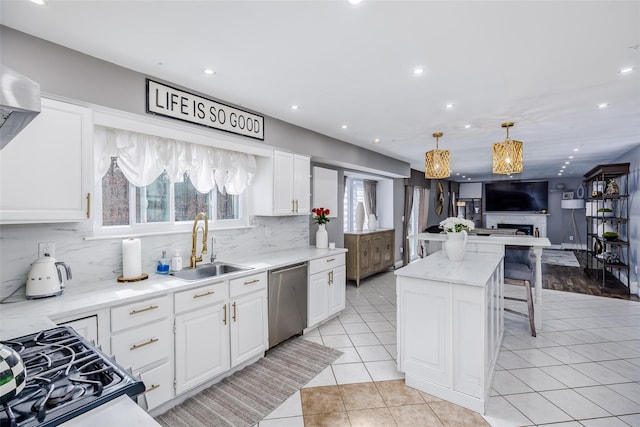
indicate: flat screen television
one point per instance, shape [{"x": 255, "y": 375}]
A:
[{"x": 516, "y": 196}]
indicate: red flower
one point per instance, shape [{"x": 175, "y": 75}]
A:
[{"x": 321, "y": 215}]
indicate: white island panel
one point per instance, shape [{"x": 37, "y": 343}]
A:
[{"x": 450, "y": 326}]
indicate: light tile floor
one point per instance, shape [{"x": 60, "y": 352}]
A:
[{"x": 583, "y": 368}]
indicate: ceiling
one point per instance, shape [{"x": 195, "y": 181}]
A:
[{"x": 544, "y": 65}]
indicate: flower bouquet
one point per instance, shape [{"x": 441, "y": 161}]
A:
[
  {"x": 321, "y": 215},
  {"x": 456, "y": 225}
]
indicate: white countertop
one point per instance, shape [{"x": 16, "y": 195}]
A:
[
  {"x": 492, "y": 239},
  {"x": 30, "y": 316},
  {"x": 474, "y": 269}
]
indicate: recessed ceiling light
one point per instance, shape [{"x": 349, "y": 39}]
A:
[
  {"x": 458, "y": 174},
  {"x": 467, "y": 126},
  {"x": 468, "y": 179},
  {"x": 354, "y": 2},
  {"x": 571, "y": 157},
  {"x": 377, "y": 141},
  {"x": 576, "y": 149},
  {"x": 559, "y": 173},
  {"x": 564, "y": 166},
  {"x": 567, "y": 162},
  {"x": 39, "y": 2},
  {"x": 449, "y": 106},
  {"x": 344, "y": 126},
  {"x": 463, "y": 176},
  {"x": 626, "y": 70},
  {"x": 294, "y": 107},
  {"x": 603, "y": 105},
  {"x": 208, "y": 71},
  {"x": 418, "y": 71}
]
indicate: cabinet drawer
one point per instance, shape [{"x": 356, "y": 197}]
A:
[
  {"x": 158, "y": 384},
  {"x": 326, "y": 263},
  {"x": 200, "y": 297},
  {"x": 247, "y": 284},
  {"x": 138, "y": 313},
  {"x": 141, "y": 346}
]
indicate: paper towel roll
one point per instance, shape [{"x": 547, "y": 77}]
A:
[{"x": 131, "y": 258}]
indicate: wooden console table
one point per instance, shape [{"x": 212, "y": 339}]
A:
[{"x": 369, "y": 252}]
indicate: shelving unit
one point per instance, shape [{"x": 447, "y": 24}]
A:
[
  {"x": 608, "y": 257},
  {"x": 472, "y": 210}
]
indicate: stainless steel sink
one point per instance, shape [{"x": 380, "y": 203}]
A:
[{"x": 209, "y": 270}]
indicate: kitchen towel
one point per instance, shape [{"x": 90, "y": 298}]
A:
[{"x": 131, "y": 258}]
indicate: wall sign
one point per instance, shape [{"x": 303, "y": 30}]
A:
[{"x": 175, "y": 103}]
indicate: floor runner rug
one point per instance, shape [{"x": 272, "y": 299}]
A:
[
  {"x": 247, "y": 396},
  {"x": 559, "y": 257}
]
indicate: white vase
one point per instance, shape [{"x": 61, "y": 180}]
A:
[
  {"x": 373, "y": 222},
  {"x": 322, "y": 237},
  {"x": 359, "y": 216},
  {"x": 456, "y": 245}
]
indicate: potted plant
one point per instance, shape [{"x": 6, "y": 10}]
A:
[
  {"x": 456, "y": 229},
  {"x": 321, "y": 217}
]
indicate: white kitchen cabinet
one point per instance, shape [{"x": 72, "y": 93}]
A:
[
  {"x": 142, "y": 339},
  {"x": 201, "y": 334},
  {"x": 450, "y": 326},
  {"x": 157, "y": 382},
  {"x": 249, "y": 327},
  {"x": 327, "y": 287},
  {"x": 249, "y": 317},
  {"x": 202, "y": 346},
  {"x": 46, "y": 170},
  {"x": 219, "y": 326},
  {"x": 87, "y": 327},
  {"x": 282, "y": 185}
]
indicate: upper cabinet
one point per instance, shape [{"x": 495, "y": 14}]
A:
[
  {"x": 281, "y": 185},
  {"x": 45, "y": 171}
]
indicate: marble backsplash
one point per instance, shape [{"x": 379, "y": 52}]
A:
[{"x": 101, "y": 259}]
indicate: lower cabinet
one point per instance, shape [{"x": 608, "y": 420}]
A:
[
  {"x": 326, "y": 292},
  {"x": 217, "y": 327},
  {"x": 249, "y": 328},
  {"x": 202, "y": 346},
  {"x": 142, "y": 339}
]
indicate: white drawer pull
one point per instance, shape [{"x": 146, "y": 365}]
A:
[
  {"x": 203, "y": 294},
  {"x": 152, "y": 387},
  {"x": 331, "y": 259},
  {"x": 137, "y": 346},
  {"x": 251, "y": 282},
  {"x": 142, "y": 310}
]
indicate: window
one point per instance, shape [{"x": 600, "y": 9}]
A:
[
  {"x": 162, "y": 203},
  {"x": 354, "y": 193}
]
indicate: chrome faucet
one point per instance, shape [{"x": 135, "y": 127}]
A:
[
  {"x": 194, "y": 236},
  {"x": 213, "y": 251}
]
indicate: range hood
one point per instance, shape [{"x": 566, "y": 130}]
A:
[{"x": 19, "y": 103}]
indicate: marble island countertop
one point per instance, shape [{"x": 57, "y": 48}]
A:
[
  {"x": 28, "y": 316},
  {"x": 438, "y": 267}
]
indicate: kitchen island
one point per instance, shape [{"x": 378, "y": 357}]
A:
[
  {"x": 450, "y": 325},
  {"x": 496, "y": 244}
]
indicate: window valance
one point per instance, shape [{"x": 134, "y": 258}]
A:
[{"x": 142, "y": 158}]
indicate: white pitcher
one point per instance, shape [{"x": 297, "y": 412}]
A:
[{"x": 456, "y": 245}]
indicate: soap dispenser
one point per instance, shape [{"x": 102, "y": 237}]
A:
[
  {"x": 176, "y": 261},
  {"x": 163, "y": 264}
]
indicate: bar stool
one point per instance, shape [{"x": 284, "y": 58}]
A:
[{"x": 518, "y": 270}]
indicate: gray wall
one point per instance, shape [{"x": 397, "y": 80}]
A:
[{"x": 71, "y": 74}]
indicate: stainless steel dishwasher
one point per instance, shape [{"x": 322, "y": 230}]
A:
[{"x": 287, "y": 302}]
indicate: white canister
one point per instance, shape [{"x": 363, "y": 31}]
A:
[
  {"x": 176, "y": 261},
  {"x": 373, "y": 222}
]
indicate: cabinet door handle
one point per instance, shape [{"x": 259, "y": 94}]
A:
[
  {"x": 88, "y": 205},
  {"x": 224, "y": 319},
  {"x": 152, "y": 387},
  {"x": 137, "y": 346},
  {"x": 142, "y": 310},
  {"x": 251, "y": 282},
  {"x": 331, "y": 259},
  {"x": 204, "y": 294},
  {"x": 331, "y": 277},
  {"x": 234, "y": 312},
  {"x": 293, "y": 205},
  {"x": 296, "y": 206}
]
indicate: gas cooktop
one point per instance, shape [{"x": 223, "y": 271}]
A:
[{"x": 66, "y": 376}]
